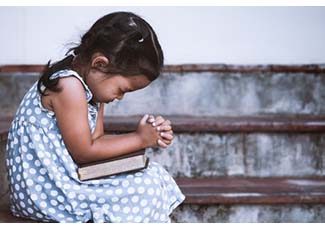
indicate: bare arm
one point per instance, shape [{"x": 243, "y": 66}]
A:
[
  {"x": 99, "y": 129},
  {"x": 71, "y": 110}
]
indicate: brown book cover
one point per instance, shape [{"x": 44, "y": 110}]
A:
[{"x": 130, "y": 162}]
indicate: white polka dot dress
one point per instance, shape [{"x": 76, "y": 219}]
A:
[{"x": 43, "y": 178}]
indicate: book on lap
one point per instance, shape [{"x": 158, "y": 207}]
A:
[{"x": 130, "y": 162}]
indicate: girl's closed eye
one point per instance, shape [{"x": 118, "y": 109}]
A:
[
  {"x": 126, "y": 90},
  {"x": 118, "y": 86},
  {"x": 120, "y": 95},
  {"x": 123, "y": 92}
]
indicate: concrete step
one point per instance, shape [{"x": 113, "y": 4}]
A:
[
  {"x": 208, "y": 147},
  {"x": 249, "y": 213},
  {"x": 202, "y": 90},
  {"x": 251, "y": 200},
  {"x": 250, "y": 190},
  {"x": 266, "y": 123},
  {"x": 228, "y": 213},
  {"x": 238, "y": 193}
]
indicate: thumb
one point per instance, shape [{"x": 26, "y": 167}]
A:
[{"x": 144, "y": 119}]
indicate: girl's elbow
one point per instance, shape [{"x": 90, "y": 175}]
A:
[
  {"x": 83, "y": 156},
  {"x": 79, "y": 160}
]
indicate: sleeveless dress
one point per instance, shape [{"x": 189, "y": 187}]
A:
[{"x": 44, "y": 184}]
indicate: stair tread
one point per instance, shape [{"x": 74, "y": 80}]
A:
[
  {"x": 269, "y": 190},
  {"x": 238, "y": 190},
  {"x": 257, "y": 123},
  {"x": 222, "y": 68}
]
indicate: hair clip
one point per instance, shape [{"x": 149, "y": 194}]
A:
[
  {"x": 141, "y": 40},
  {"x": 73, "y": 54}
]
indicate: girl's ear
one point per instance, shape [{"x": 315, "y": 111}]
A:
[{"x": 99, "y": 61}]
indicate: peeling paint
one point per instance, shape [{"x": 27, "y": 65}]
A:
[
  {"x": 305, "y": 182},
  {"x": 240, "y": 194}
]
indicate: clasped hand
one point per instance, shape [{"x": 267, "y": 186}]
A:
[{"x": 164, "y": 128}]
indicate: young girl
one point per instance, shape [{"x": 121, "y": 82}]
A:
[{"x": 59, "y": 124}]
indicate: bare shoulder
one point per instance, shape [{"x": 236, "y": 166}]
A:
[
  {"x": 72, "y": 91},
  {"x": 68, "y": 83}
]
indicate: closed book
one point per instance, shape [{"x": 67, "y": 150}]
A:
[{"x": 125, "y": 163}]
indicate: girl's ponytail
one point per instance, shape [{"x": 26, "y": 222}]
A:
[{"x": 51, "y": 69}]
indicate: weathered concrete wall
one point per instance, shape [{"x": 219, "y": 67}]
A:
[
  {"x": 13, "y": 87},
  {"x": 4, "y": 189},
  {"x": 208, "y": 94},
  {"x": 261, "y": 155},
  {"x": 301, "y": 213},
  {"x": 233, "y": 94}
]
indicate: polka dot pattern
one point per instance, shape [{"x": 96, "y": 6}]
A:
[{"x": 44, "y": 184}]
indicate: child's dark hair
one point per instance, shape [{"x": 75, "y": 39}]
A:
[{"x": 127, "y": 40}]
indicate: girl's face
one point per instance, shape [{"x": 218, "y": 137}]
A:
[{"x": 106, "y": 88}]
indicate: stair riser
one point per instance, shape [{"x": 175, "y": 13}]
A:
[
  {"x": 226, "y": 94},
  {"x": 296, "y": 213},
  {"x": 13, "y": 87},
  {"x": 201, "y": 94},
  {"x": 232, "y": 213},
  {"x": 3, "y": 173},
  {"x": 261, "y": 155}
]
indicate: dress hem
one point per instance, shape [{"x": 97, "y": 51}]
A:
[{"x": 176, "y": 204}]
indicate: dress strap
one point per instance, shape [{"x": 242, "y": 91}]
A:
[{"x": 69, "y": 72}]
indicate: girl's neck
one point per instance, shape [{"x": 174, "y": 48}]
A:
[
  {"x": 80, "y": 69},
  {"x": 83, "y": 72}
]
